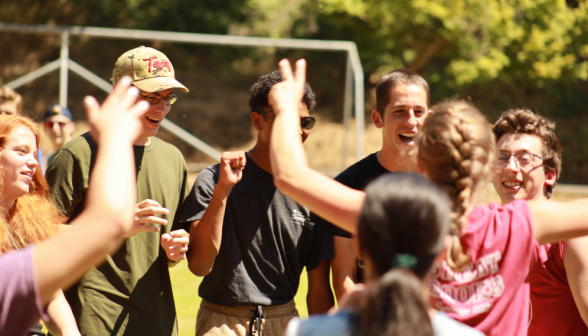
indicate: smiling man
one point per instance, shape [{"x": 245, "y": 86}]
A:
[
  {"x": 527, "y": 167},
  {"x": 402, "y": 105},
  {"x": 130, "y": 294}
]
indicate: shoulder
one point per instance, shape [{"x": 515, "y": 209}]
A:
[
  {"x": 162, "y": 146},
  {"x": 80, "y": 146},
  {"x": 361, "y": 172},
  {"x": 444, "y": 325}
]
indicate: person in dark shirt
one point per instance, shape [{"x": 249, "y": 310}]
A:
[
  {"x": 248, "y": 240},
  {"x": 402, "y": 105}
]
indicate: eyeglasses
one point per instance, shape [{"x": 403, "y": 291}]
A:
[
  {"x": 306, "y": 123},
  {"x": 153, "y": 100},
  {"x": 524, "y": 160},
  {"x": 49, "y": 124}
]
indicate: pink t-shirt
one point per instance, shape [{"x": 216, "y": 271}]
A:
[
  {"x": 554, "y": 310},
  {"x": 20, "y": 301},
  {"x": 493, "y": 294}
]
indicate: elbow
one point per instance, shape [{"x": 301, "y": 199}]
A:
[
  {"x": 284, "y": 181},
  {"x": 198, "y": 269}
]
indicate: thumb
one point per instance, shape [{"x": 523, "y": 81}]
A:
[{"x": 92, "y": 108}]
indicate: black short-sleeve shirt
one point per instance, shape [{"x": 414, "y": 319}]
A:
[
  {"x": 267, "y": 240},
  {"x": 358, "y": 176}
]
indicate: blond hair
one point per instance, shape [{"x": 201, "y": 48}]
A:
[
  {"x": 8, "y": 94},
  {"x": 33, "y": 217},
  {"x": 456, "y": 149}
]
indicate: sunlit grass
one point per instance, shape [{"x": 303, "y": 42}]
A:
[{"x": 185, "y": 286}]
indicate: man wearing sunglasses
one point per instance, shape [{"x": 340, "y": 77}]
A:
[
  {"x": 131, "y": 294},
  {"x": 250, "y": 241},
  {"x": 527, "y": 167},
  {"x": 59, "y": 126}
]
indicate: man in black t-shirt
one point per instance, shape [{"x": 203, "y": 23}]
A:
[
  {"x": 250, "y": 241},
  {"x": 402, "y": 105}
]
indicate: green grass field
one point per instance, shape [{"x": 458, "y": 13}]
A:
[{"x": 185, "y": 286}]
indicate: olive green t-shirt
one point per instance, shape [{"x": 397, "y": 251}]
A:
[{"x": 130, "y": 294}]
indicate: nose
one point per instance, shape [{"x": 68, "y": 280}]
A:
[
  {"x": 161, "y": 107},
  {"x": 32, "y": 162},
  {"x": 57, "y": 128},
  {"x": 411, "y": 120},
  {"x": 512, "y": 164}
]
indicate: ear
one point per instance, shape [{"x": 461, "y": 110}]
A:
[
  {"x": 550, "y": 177},
  {"x": 257, "y": 120},
  {"x": 377, "y": 119}
]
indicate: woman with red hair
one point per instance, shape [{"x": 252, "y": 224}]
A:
[{"x": 27, "y": 215}]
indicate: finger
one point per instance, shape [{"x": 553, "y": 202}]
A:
[
  {"x": 151, "y": 220},
  {"x": 181, "y": 241},
  {"x": 165, "y": 238},
  {"x": 92, "y": 108},
  {"x": 242, "y": 161},
  {"x": 129, "y": 98},
  {"x": 177, "y": 256},
  {"x": 179, "y": 233},
  {"x": 139, "y": 109},
  {"x": 120, "y": 89},
  {"x": 286, "y": 70},
  {"x": 300, "y": 71},
  {"x": 178, "y": 249},
  {"x": 147, "y": 202},
  {"x": 151, "y": 210},
  {"x": 147, "y": 228}
]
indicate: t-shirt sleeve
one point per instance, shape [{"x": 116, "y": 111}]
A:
[
  {"x": 199, "y": 197},
  {"x": 65, "y": 180},
  {"x": 184, "y": 192},
  {"x": 20, "y": 300},
  {"x": 322, "y": 244}
]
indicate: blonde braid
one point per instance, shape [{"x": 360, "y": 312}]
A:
[{"x": 455, "y": 150}]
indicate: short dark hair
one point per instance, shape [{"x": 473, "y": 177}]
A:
[
  {"x": 394, "y": 78},
  {"x": 524, "y": 121},
  {"x": 261, "y": 88}
]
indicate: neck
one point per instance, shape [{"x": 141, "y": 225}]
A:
[
  {"x": 392, "y": 162},
  {"x": 8, "y": 204},
  {"x": 142, "y": 141},
  {"x": 260, "y": 155}
]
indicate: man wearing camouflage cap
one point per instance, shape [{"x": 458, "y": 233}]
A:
[{"x": 131, "y": 294}]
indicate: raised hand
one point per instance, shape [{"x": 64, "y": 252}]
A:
[
  {"x": 145, "y": 212},
  {"x": 119, "y": 115},
  {"x": 288, "y": 93},
  {"x": 175, "y": 245},
  {"x": 231, "y": 169}
]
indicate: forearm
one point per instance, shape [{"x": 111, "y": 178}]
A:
[
  {"x": 344, "y": 266},
  {"x": 559, "y": 221},
  {"x": 61, "y": 320},
  {"x": 60, "y": 261},
  {"x": 207, "y": 233},
  {"x": 320, "y": 297},
  {"x": 327, "y": 198}
]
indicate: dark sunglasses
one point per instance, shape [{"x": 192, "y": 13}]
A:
[
  {"x": 307, "y": 123},
  {"x": 49, "y": 124}
]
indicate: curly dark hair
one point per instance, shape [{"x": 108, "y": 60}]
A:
[
  {"x": 520, "y": 120},
  {"x": 261, "y": 88}
]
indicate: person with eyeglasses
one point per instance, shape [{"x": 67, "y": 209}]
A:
[
  {"x": 248, "y": 240},
  {"x": 59, "y": 126},
  {"x": 131, "y": 294},
  {"x": 528, "y": 166}
]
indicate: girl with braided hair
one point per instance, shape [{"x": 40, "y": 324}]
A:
[
  {"x": 482, "y": 281},
  {"x": 401, "y": 231}
]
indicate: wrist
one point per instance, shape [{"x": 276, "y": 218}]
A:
[{"x": 223, "y": 190}]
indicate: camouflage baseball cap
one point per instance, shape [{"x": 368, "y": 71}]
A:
[{"x": 150, "y": 70}]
